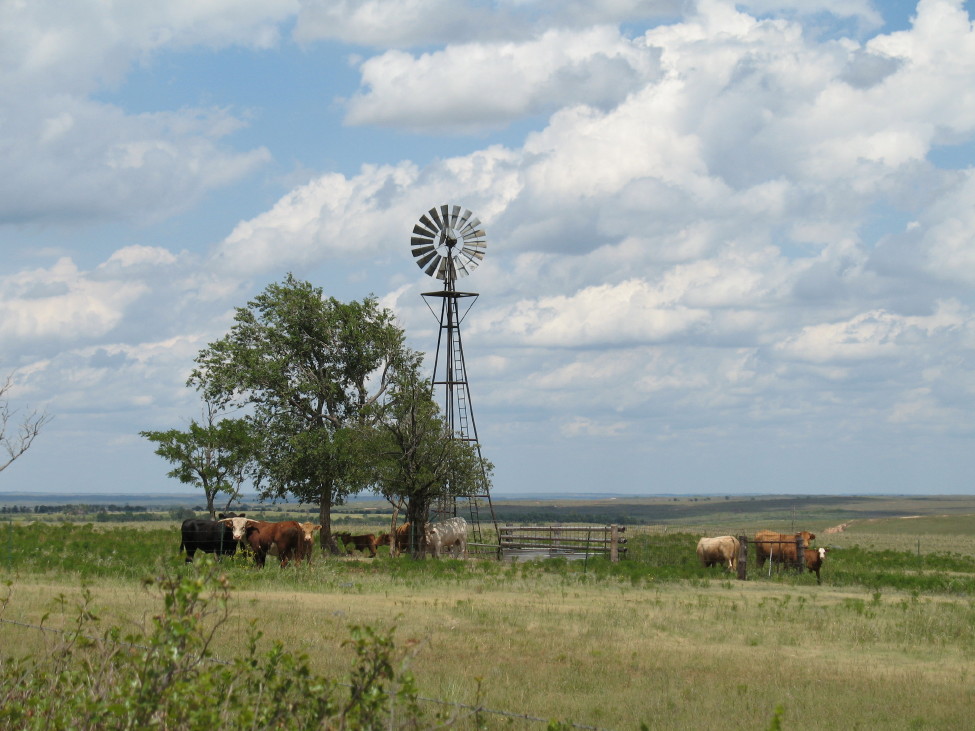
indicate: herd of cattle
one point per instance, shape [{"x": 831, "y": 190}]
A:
[
  {"x": 290, "y": 540},
  {"x": 769, "y": 546}
]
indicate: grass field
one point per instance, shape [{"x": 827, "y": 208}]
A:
[{"x": 888, "y": 640}]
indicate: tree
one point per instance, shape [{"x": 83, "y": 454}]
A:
[
  {"x": 18, "y": 442},
  {"x": 309, "y": 367},
  {"x": 214, "y": 457},
  {"x": 419, "y": 460}
]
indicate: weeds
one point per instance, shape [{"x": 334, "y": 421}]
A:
[{"x": 167, "y": 677}]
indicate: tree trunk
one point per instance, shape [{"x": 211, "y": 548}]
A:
[
  {"x": 416, "y": 515},
  {"x": 325, "y": 518}
]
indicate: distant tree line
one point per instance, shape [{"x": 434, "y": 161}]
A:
[{"x": 74, "y": 509}]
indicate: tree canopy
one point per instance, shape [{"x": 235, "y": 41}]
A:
[
  {"x": 215, "y": 456},
  {"x": 309, "y": 366},
  {"x": 418, "y": 459}
]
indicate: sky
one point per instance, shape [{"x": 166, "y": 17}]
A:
[{"x": 731, "y": 246}]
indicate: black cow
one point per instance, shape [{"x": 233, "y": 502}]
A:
[{"x": 209, "y": 536}]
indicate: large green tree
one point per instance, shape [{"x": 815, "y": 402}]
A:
[
  {"x": 214, "y": 456},
  {"x": 418, "y": 459},
  {"x": 309, "y": 366}
]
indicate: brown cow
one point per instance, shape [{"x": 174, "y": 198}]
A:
[
  {"x": 282, "y": 538},
  {"x": 364, "y": 542},
  {"x": 402, "y": 538},
  {"x": 307, "y": 543},
  {"x": 814, "y": 560},
  {"x": 779, "y": 547}
]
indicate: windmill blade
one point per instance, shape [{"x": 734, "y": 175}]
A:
[
  {"x": 462, "y": 220},
  {"x": 447, "y": 242},
  {"x": 470, "y": 226},
  {"x": 430, "y": 225},
  {"x": 435, "y": 215},
  {"x": 424, "y": 260},
  {"x": 472, "y": 254}
]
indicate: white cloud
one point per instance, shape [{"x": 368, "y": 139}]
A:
[
  {"x": 477, "y": 86},
  {"x": 871, "y": 335},
  {"x": 61, "y": 302},
  {"x": 417, "y": 23},
  {"x": 69, "y": 157}
]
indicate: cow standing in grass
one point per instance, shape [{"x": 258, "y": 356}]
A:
[
  {"x": 720, "y": 551},
  {"x": 814, "y": 560},
  {"x": 306, "y": 546},
  {"x": 282, "y": 539},
  {"x": 448, "y": 536},
  {"x": 779, "y": 547},
  {"x": 364, "y": 542},
  {"x": 209, "y": 536}
]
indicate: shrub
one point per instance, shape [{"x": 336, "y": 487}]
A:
[{"x": 167, "y": 677}]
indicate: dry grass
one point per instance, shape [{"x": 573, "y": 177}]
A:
[{"x": 609, "y": 655}]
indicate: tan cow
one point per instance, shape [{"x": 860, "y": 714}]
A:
[
  {"x": 719, "y": 551},
  {"x": 306, "y": 545}
]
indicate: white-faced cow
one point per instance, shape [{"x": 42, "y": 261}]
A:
[
  {"x": 306, "y": 546},
  {"x": 209, "y": 536},
  {"x": 449, "y": 536},
  {"x": 720, "y": 551},
  {"x": 814, "y": 560},
  {"x": 282, "y": 538}
]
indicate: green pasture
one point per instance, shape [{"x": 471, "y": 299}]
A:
[{"x": 601, "y": 645}]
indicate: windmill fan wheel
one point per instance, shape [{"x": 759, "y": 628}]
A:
[{"x": 447, "y": 242}]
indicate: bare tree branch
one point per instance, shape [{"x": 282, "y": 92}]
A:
[{"x": 21, "y": 434}]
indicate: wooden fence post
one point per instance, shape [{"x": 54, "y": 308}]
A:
[
  {"x": 742, "y": 557},
  {"x": 614, "y": 551},
  {"x": 800, "y": 554}
]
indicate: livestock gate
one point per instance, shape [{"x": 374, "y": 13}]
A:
[{"x": 573, "y": 542}]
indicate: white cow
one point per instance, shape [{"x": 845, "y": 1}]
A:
[
  {"x": 719, "y": 551},
  {"x": 449, "y": 535}
]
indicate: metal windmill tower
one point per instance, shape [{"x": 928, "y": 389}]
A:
[{"x": 448, "y": 244}]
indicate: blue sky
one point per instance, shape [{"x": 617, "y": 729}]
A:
[{"x": 730, "y": 244}]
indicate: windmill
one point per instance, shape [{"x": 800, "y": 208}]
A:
[{"x": 448, "y": 244}]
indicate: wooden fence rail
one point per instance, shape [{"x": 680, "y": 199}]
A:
[{"x": 572, "y": 542}]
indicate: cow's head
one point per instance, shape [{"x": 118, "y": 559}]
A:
[
  {"x": 308, "y": 529},
  {"x": 822, "y": 552},
  {"x": 238, "y": 526},
  {"x": 806, "y": 537}
]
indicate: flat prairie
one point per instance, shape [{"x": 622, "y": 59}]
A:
[{"x": 586, "y": 645}]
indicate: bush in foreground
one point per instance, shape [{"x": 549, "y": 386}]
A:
[{"x": 167, "y": 677}]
